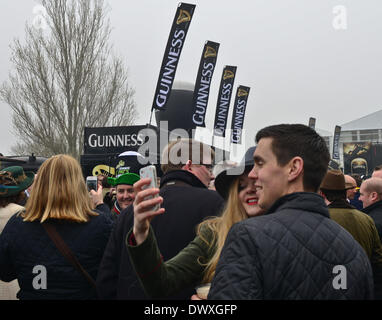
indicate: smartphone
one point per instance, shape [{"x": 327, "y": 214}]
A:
[
  {"x": 92, "y": 183},
  {"x": 150, "y": 172}
]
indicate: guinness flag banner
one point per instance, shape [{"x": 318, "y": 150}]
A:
[
  {"x": 312, "y": 123},
  {"x": 224, "y": 98},
  {"x": 336, "y": 143},
  {"x": 239, "y": 113},
  {"x": 171, "y": 57},
  {"x": 203, "y": 82}
]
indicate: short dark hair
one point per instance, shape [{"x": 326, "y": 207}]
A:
[
  {"x": 334, "y": 195},
  {"x": 291, "y": 140},
  {"x": 377, "y": 168}
]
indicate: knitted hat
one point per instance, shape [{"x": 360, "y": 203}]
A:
[{"x": 13, "y": 180}]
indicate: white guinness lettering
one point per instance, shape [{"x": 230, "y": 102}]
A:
[
  {"x": 202, "y": 95},
  {"x": 223, "y": 107},
  {"x": 238, "y": 120},
  {"x": 106, "y": 141},
  {"x": 168, "y": 75}
]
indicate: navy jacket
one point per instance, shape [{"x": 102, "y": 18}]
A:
[
  {"x": 25, "y": 245},
  {"x": 186, "y": 206},
  {"x": 291, "y": 253}
]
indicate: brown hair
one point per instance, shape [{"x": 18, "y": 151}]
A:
[
  {"x": 59, "y": 192},
  {"x": 18, "y": 198},
  {"x": 178, "y": 152}
]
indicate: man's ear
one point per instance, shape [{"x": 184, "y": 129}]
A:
[
  {"x": 295, "y": 168},
  {"x": 187, "y": 166},
  {"x": 374, "y": 196}
]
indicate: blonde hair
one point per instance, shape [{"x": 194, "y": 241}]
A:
[
  {"x": 233, "y": 213},
  {"x": 59, "y": 192}
]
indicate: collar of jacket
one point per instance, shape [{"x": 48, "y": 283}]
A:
[
  {"x": 341, "y": 204},
  {"x": 181, "y": 175},
  {"x": 377, "y": 204},
  {"x": 307, "y": 201},
  {"x": 116, "y": 208}
]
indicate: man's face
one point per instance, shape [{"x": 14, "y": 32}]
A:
[
  {"x": 272, "y": 180},
  {"x": 351, "y": 186},
  {"x": 365, "y": 196},
  {"x": 203, "y": 171},
  {"x": 125, "y": 195}
]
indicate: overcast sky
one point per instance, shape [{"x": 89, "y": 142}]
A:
[{"x": 297, "y": 64}]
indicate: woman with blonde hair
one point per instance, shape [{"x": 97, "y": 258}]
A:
[
  {"x": 196, "y": 263},
  {"x": 59, "y": 214}
]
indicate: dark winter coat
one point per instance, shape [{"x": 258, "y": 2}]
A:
[
  {"x": 291, "y": 253},
  {"x": 26, "y": 245},
  {"x": 375, "y": 212},
  {"x": 187, "y": 203}
]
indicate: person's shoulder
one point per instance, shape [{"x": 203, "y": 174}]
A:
[
  {"x": 101, "y": 220},
  {"x": 207, "y": 193}
]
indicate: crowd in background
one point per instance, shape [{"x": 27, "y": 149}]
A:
[{"x": 274, "y": 226}]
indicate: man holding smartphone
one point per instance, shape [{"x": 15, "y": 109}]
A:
[{"x": 186, "y": 166}]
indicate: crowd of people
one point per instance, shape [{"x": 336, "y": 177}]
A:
[{"x": 277, "y": 225}]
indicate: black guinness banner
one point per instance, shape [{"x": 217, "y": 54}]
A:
[
  {"x": 172, "y": 53},
  {"x": 224, "y": 98},
  {"x": 113, "y": 139},
  {"x": 203, "y": 82},
  {"x": 239, "y": 113},
  {"x": 312, "y": 123},
  {"x": 336, "y": 143}
]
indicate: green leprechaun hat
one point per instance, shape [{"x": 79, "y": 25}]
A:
[
  {"x": 125, "y": 178},
  {"x": 13, "y": 180}
]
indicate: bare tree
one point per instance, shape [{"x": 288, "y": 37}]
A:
[{"x": 66, "y": 78}]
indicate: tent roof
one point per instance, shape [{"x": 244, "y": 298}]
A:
[{"x": 371, "y": 121}]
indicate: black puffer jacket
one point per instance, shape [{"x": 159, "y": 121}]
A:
[
  {"x": 290, "y": 253},
  {"x": 25, "y": 245},
  {"x": 187, "y": 204}
]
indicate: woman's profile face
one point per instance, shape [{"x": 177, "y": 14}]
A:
[{"x": 248, "y": 197}]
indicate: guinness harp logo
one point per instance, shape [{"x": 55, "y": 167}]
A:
[
  {"x": 184, "y": 16},
  {"x": 242, "y": 93},
  {"x": 228, "y": 74},
  {"x": 210, "y": 52}
]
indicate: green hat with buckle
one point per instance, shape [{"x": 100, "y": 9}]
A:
[
  {"x": 13, "y": 180},
  {"x": 125, "y": 178}
]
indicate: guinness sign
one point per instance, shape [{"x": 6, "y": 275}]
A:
[
  {"x": 172, "y": 53},
  {"x": 224, "y": 99},
  {"x": 239, "y": 113},
  {"x": 113, "y": 139},
  {"x": 203, "y": 82}
]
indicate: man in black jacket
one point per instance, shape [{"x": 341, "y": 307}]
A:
[
  {"x": 295, "y": 251},
  {"x": 186, "y": 165},
  {"x": 371, "y": 197}
]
